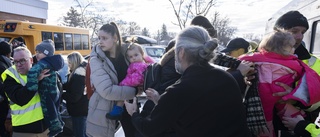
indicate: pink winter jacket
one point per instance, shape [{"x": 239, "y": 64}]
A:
[
  {"x": 135, "y": 71},
  {"x": 273, "y": 68}
]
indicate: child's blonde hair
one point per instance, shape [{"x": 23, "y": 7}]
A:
[{"x": 276, "y": 42}]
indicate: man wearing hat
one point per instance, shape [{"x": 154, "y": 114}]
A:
[
  {"x": 237, "y": 47},
  {"x": 47, "y": 88},
  {"x": 17, "y": 42},
  {"x": 297, "y": 24},
  {"x": 5, "y": 62}
]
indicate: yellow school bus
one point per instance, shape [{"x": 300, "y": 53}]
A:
[{"x": 66, "y": 39}]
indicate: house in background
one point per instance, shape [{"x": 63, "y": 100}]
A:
[{"x": 31, "y": 10}]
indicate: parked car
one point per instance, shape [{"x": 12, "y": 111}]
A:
[
  {"x": 155, "y": 52},
  {"x": 139, "y": 39}
]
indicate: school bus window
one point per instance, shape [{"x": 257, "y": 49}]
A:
[
  {"x": 316, "y": 45},
  {"x": 46, "y": 35},
  {"x": 68, "y": 41},
  {"x": 58, "y": 41},
  {"x": 77, "y": 41},
  {"x": 85, "y": 41}
]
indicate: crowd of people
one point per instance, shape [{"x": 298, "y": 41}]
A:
[{"x": 270, "y": 91}]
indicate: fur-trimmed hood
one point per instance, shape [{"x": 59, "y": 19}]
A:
[
  {"x": 167, "y": 56},
  {"x": 81, "y": 70}
]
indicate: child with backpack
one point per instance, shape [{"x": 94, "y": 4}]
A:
[{"x": 134, "y": 78}]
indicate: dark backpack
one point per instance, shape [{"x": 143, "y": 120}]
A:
[
  {"x": 152, "y": 76},
  {"x": 59, "y": 86}
]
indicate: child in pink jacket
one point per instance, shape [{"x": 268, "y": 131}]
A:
[
  {"x": 276, "y": 62},
  {"x": 134, "y": 78}
]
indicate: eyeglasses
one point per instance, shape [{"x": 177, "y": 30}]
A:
[{"x": 21, "y": 61}]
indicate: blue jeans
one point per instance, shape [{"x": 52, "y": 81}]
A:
[{"x": 79, "y": 126}]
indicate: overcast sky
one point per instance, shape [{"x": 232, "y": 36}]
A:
[{"x": 249, "y": 16}]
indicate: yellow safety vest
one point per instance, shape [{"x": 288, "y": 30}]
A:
[
  {"x": 28, "y": 113},
  {"x": 314, "y": 63},
  {"x": 313, "y": 130}
]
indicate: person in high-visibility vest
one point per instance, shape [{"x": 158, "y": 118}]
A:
[
  {"x": 26, "y": 112},
  {"x": 297, "y": 24}
]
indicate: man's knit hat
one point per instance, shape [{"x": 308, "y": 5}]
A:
[
  {"x": 291, "y": 19},
  {"x": 205, "y": 23},
  {"x": 46, "y": 47},
  {"x": 5, "y": 48}
]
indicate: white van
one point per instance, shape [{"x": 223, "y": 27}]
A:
[{"x": 311, "y": 10}]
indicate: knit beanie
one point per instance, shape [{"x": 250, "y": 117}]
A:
[
  {"x": 205, "y": 23},
  {"x": 46, "y": 47},
  {"x": 291, "y": 19},
  {"x": 5, "y": 48}
]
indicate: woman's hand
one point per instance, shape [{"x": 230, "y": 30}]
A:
[
  {"x": 153, "y": 95},
  {"x": 131, "y": 107},
  {"x": 43, "y": 74},
  {"x": 286, "y": 87},
  {"x": 290, "y": 122},
  {"x": 245, "y": 67}
]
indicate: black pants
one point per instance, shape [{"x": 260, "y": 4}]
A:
[
  {"x": 128, "y": 128},
  {"x": 4, "y": 108}
]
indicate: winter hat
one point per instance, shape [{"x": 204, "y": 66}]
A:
[
  {"x": 205, "y": 23},
  {"x": 5, "y": 48},
  {"x": 236, "y": 43},
  {"x": 46, "y": 47},
  {"x": 20, "y": 39},
  {"x": 291, "y": 19}
]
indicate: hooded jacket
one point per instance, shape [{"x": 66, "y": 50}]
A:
[
  {"x": 48, "y": 91},
  {"x": 135, "y": 71}
]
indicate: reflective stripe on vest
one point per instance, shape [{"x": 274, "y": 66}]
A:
[
  {"x": 16, "y": 74},
  {"x": 313, "y": 63},
  {"x": 30, "y": 108},
  {"x": 28, "y": 113}
]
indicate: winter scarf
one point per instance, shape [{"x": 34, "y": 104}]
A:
[{"x": 255, "y": 115}]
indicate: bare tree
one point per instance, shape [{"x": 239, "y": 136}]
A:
[
  {"x": 254, "y": 37},
  {"x": 90, "y": 17},
  {"x": 224, "y": 31},
  {"x": 133, "y": 28},
  {"x": 187, "y": 9},
  {"x": 122, "y": 26}
]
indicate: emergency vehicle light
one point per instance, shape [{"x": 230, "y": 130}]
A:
[{"x": 10, "y": 27}]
